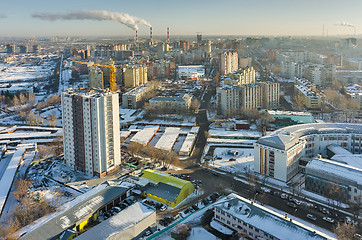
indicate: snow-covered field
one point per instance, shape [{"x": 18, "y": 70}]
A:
[
  {"x": 26, "y": 72},
  {"x": 243, "y": 159}
]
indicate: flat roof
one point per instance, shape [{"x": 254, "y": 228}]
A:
[
  {"x": 187, "y": 144},
  {"x": 123, "y": 220},
  {"x": 145, "y": 135},
  {"x": 336, "y": 169},
  {"x": 8, "y": 176},
  {"x": 267, "y": 220},
  {"x": 63, "y": 221},
  {"x": 168, "y": 138}
]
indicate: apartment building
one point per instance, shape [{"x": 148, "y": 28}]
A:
[
  {"x": 228, "y": 62},
  {"x": 232, "y": 100},
  {"x": 133, "y": 99},
  {"x": 95, "y": 76},
  {"x": 311, "y": 99},
  {"x": 91, "y": 134},
  {"x": 134, "y": 76},
  {"x": 244, "y": 75},
  {"x": 279, "y": 154}
]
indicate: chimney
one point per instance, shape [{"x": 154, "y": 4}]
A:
[
  {"x": 151, "y": 35},
  {"x": 168, "y": 35}
]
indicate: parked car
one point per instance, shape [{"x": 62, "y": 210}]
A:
[
  {"x": 328, "y": 219},
  {"x": 163, "y": 208},
  {"x": 311, "y": 217},
  {"x": 195, "y": 207},
  {"x": 232, "y": 159},
  {"x": 291, "y": 204},
  {"x": 283, "y": 196},
  {"x": 296, "y": 201}
]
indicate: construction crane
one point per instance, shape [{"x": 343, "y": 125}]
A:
[{"x": 112, "y": 78}]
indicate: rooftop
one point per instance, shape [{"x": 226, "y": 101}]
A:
[
  {"x": 267, "y": 220},
  {"x": 125, "y": 219}
]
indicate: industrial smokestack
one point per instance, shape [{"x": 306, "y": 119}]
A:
[
  {"x": 99, "y": 15},
  {"x": 168, "y": 35},
  {"x": 136, "y": 35},
  {"x": 151, "y": 35}
]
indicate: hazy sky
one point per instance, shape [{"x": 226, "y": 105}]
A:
[{"x": 210, "y": 17}]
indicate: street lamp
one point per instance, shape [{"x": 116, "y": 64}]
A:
[{"x": 255, "y": 196}]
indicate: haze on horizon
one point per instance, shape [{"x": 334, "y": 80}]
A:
[{"x": 210, "y": 17}]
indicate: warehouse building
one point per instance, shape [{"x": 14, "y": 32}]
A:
[
  {"x": 76, "y": 218},
  {"x": 164, "y": 188}
]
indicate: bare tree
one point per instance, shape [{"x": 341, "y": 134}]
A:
[
  {"x": 53, "y": 100},
  {"x": 23, "y": 99},
  {"x": 345, "y": 231},
  {"x": 22, "y": 187},
  {"x": 31, "y": 98},
  {"x": 134, "y": 148},
  {"x": 58, "y": 145},
  {"x": 299, "y": 101},
  {"x": 44, "y": 151},
  {"x": 16, "y": 101},
  {"x": 52, "y": 120}
]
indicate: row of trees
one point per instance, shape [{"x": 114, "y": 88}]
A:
[
  {"x": 17, "y": 100},
  {"x": 155, "y": 154}
]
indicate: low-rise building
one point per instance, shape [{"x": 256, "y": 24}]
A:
[
  {"x": 82, "y": 213},
  {"x": 334, "y": 179},
  {"x": 164, "y": 188},
  {"x": 311, "y": 99},
  {"x": 130, "y": 223},
  {"x": 179, "y": 103},
  {"x": 133, "y": 99},
  {"x": 253, "y": 221},
  {"x": 191, "y": 72}
]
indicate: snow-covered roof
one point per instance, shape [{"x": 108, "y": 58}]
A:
[
  {"x": 267, "y": 220},
  {"x": 168, "y": 138},
  {"x": 145, "y": 135},
  {"x": 354, "y": 160},
  {"x": 125, "y": 219},
  {"x": 338, "y": 150},
  {"x": 233, "y": 134},
  {"x": 8, "y": 176},
  {"x": 63, "y": 221},
  {"x": 187, "y": 144},
  {"x": 335, "y": 169}
]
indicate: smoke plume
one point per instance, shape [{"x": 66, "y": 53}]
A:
[
  {"x": 2, "y": 15},
  {"x": 98, "y": 15},
  {"x": 344, "y": 24}
]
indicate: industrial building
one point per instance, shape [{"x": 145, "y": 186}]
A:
[
  {"x": 74, "y": 220},
  {"x": 131, "y": 223},
  {"x": 253, "y": 221},
  {"x": 283, "y": 153},
  {"x": 164, "y": 188},
  {"x": 91, "y": 130},
  {"x": 192, "y": 72}
]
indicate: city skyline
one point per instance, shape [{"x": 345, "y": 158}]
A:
[{"x": 208, "y": 17}]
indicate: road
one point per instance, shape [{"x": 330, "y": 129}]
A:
[{"x": 212, "y": 182}]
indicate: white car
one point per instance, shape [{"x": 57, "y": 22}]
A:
[
  {"x": 328, "y": 219},
  {"x": 296, "y": 201},
  {"x": 311, "y": 217},
  {"x": 283, "y": 196}
]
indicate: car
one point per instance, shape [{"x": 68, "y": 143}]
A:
[
  {"x": 311, "y": 217},
  {"x": 163, "y": 208},
  {"x": 195, "y": 207},
  {"x": 232, "y": 159},
  {"x": 291, "y": 198},
  {"x": 297, "y": 201},
  {"x": 283, "y": 196},
  {"x": 148, "y": 233},
  {"x": 291, "y": 204},
  {"x": 328, "y": 219},
  {"x": 348, "y": 219},
  {"x": 205, "y": 202}
]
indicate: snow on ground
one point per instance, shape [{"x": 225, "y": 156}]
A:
[
  {"x": 199, "y": 233},
  {"x": 244, "y": 159}
]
